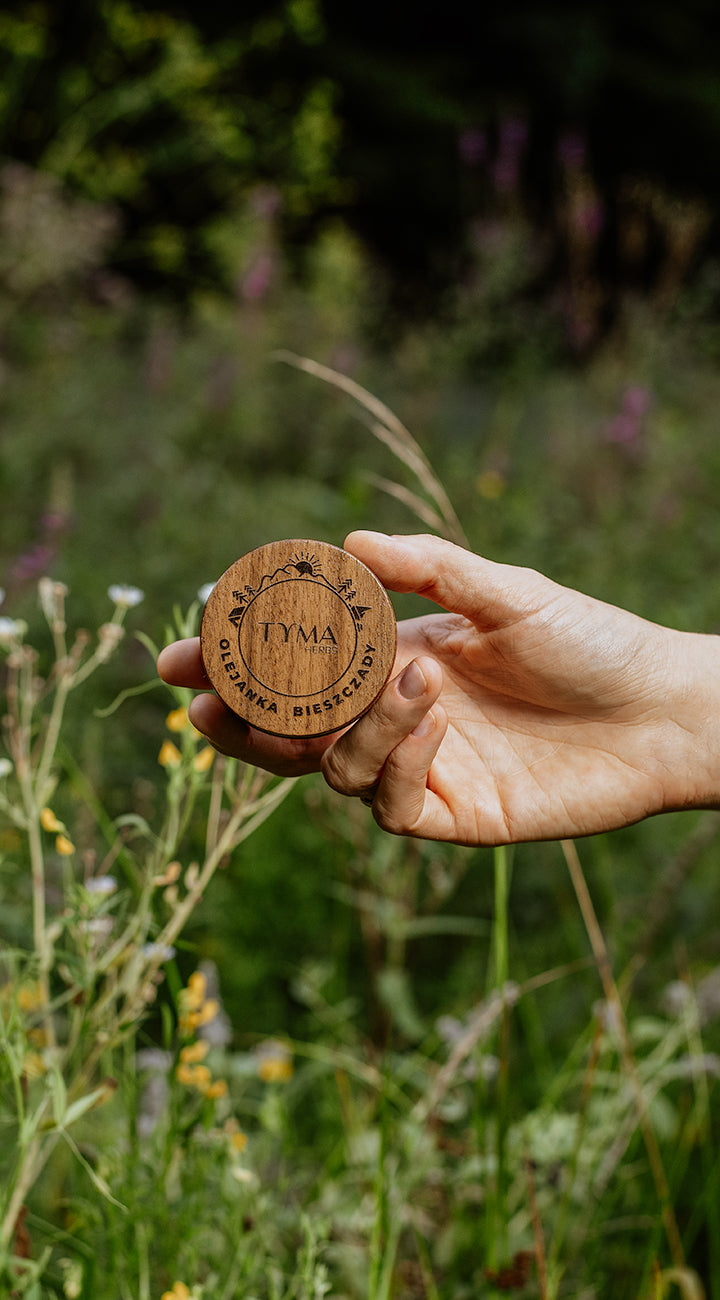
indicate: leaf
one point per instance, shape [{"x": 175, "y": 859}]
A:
[
  {"x": 691, "y": 1288},
  {"x": 59, "y": 1097},
  {"x": 83, "y": 1104},
  {"x": 95, "y": 1178}
]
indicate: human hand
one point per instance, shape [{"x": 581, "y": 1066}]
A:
[{"x": 526, "y": 711}]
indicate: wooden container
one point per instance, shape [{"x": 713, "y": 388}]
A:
[{"x": 298, "y": 638}]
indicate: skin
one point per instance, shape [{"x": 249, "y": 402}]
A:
[{"x": 526, "y": 711}]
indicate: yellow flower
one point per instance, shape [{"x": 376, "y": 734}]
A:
[
  {"x": 30, "y": 996},
  {"x": 194, "y": 1052},
  {"x": 64, "y": 846},
  {"x": 218, "y": 1088},
  {"x": 169, "y": 755},
  {"x": 177, "y": 720},
  {"x": 274, "y": 1062},
  {"x": 238, "y": 1141},
  {"x": 189, "y": 1022},
  {"x": 203, "y": 761},
  {"x": 193, "y": 1076},
  {"x": 179, "y": 1292},
  {"x": 49, "y": 821},
  {"x": 34, "y": 1065},
  {"x": 209, "y": 1010},
  {"x": 192, "y": 997}
]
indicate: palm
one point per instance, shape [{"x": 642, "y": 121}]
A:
[{"x": 542, "y": 733}]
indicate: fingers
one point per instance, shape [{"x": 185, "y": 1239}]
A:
[
  {"x": 488, "y": 593},
  {"x": 231, "y": 736},
  {"x": 180, "y": 664},
  {"x": 386, "y": 755}
]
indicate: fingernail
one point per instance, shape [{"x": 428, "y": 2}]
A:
[
  {"x": 412, "y": 684},
  {"x": 424, "y": 726}
]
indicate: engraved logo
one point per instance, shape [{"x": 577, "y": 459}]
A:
[{"x": 297, "y": 633}]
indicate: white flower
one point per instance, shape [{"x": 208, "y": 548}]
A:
[
  {"x": 98, "y": 926},
  {"x": 125, "y": 596},
  {"x": 52, "y": 596},
  {"x": 11, "y": 629},
  {"x": 101, "y": 885},
  {"x": 6, "y": 767},
  {"x": 205, "y": 591},
  {"x": 158, "y": 950}
]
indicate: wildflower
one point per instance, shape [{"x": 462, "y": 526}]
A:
[
  {"x": 72, "y": 1278},
  {"x": 205, "y": 592},
  {"x": 49, "y": 821},
  {"x": 125, "y": 597},
  {"x": 98, "y": 927},
  {"x": 193, "y": 1076},
  {"x": 64, "y": 846},
  {"x": 11, "y": 630},
  {"x": 155, "y": 951},
  {"x": 218, "y": 1088},
  {"x": 52, "y": 596},
  {"x": 102, "y": 885},
  {"x": 196, "y": 990},
  {"x": 238, "y": 1140},
  {"x": 258, "y": 278},
  {"x": 30, "y": 996},
  {"x": 179, "y": 1292},
  {"x": 194, "y": 1052},
  {"x": 34, "y": 1065},
  {"x": 169, "y": 755},
  {"x": 203, "y": 761},
  {"x": 274, "y": 1061},
  {"x": 177, "y": 720},
  {"x": 6, "y": 767}
]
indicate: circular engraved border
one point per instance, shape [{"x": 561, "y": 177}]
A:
[{"x": 307, "y": 695}]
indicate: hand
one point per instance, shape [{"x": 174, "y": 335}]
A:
[{"x": 526, "y": 711}]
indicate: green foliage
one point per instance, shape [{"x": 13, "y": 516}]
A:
[
  {"x": 417, "y": 1082},
  {"x": 134, "y": 109}
]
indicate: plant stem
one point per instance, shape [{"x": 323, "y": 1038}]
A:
[{"x": 602, "y": 959}]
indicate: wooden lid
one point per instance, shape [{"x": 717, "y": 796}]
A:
[{"x": 298, "y": 638}]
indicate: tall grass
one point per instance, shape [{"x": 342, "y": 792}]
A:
[{"x": 251, "y": 1047}]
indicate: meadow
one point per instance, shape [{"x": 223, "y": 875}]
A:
[{"x": 251, "y": 1046}]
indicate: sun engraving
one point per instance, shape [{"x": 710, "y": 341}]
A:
[{"x": 305, "y": 564}]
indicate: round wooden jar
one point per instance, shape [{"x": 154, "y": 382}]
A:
[{"x": 298, "y": 638}]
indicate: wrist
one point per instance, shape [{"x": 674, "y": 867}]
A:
[{"x": 692, "y": 750}]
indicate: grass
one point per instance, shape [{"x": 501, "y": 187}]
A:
[{"x": 281, "y": 1055}]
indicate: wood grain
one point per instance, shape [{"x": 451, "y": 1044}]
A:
[{"x": 298, "y": 638}]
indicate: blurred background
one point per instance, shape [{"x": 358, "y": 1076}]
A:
[{"x": 500, "y": 219}]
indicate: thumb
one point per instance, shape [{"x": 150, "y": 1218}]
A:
[{"x": 490, "y": 594}]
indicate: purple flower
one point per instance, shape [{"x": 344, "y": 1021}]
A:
[
  {"x": 258, "y": 278},
  {"x": 31, "y": 563},
  {"x": 636, "y": 401},
  {"x": 624, "y": 428},
  {"x": 265, "y": 201}
]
